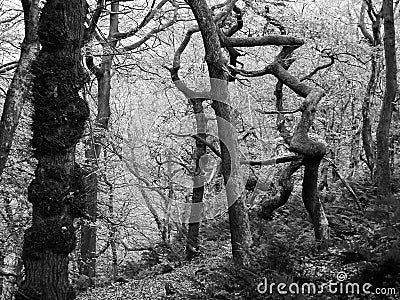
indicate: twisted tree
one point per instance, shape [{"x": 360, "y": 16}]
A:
[{"x": 310, "y": 148}]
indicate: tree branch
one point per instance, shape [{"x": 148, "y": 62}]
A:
[
  {"x": 196, "y": 137},
  {"x": 176, "y": 65},
  {"x": 277, "y": 112},
  {"x": 8, "y": 67},
  {"x": 273, "y": 161},
  {"x": 145, "y": 21},
  {"x": 348, "y": 187},
  {"x": 155, "y": 30},
  {"x": 362, "y": 25},
  {"x": 269, "y": 40},
  {"x": 319, "y": 68},
  {"x": 95, "y": 18}
]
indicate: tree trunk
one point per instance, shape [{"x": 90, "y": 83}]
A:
[
  {"x": 1, "y": 268},
  {"x": 355, "y": 144},
  {"x": 103, "y": 75},
  {"x": 20, "y": 86},
  {"x": 112, "y": 231},
  {"x": 88, "y": 242},
  {"x": 367, "y": 140},
  {"x": 312, "y": 202},
  {"x": 268, "y": 206},
  {"x": 238, "y": 217},
  {"x": 385, "y": 118},
  {"x": 192, "y": 246},
  {"x": 58, "y": 122},
  {"x": 374, "y": 40}
]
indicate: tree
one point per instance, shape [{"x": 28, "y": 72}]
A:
[
  {"x": 20, "y": 85},
  {"x": 58, "y": 121},
  {"x": 377, "y": 158},
  {"x": 192, "y": 245},
  {"x": 385, "y": 118},
  {"x": 104, "y": 84},
  {"x": 375, "y": 41},
  {"x": 230, "y": 165}
]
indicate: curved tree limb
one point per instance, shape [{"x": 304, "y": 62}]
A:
[{"x": 268, "y": 40}]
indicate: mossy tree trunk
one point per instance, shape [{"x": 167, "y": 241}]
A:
[{"x": 58, "y": 122}]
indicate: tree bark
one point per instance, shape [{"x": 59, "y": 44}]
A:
[
  {"x": 385, "y": 117},
  {"x": 20, "y": 86},
  {"x": 58, "y": 122}
]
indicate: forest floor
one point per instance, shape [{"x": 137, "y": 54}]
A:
[{"x": 365, "y": 249}]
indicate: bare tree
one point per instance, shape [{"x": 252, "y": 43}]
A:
[{"x": 104, "y": 84}]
